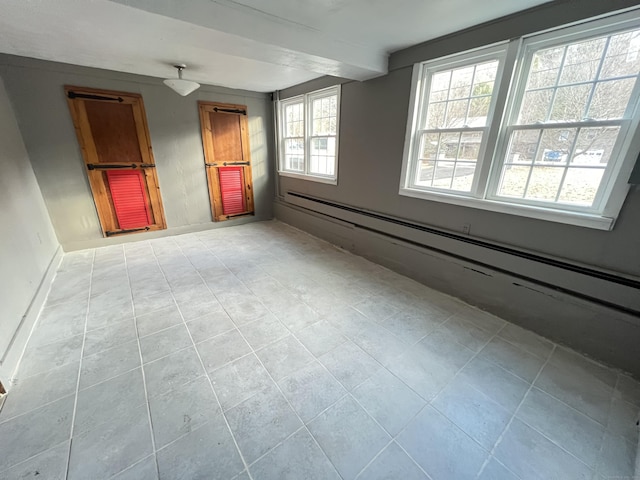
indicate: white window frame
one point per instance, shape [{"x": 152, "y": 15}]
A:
[
  {"x": 508, "y": 93},
  {"x": 421, "y": 90},
  {"x": 307, "y": 100}
]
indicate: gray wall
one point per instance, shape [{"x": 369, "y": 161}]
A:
[
  {"x": 28, "y": 244},
  {"x": 36, "y": 90},
  {"x": 373, "y": 117},
  {"x": 372, "y": 133}
]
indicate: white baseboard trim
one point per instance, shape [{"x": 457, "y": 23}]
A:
[{"x": 11, "y": 359}]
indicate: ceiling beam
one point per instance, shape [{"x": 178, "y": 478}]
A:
[{"x": 254, "y": 34}]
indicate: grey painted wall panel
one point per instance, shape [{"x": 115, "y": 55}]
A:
[
  {"x": 28, "y": 242},
  {"x": 542, "y": 17},
  {"x": 36, "y": 90}
]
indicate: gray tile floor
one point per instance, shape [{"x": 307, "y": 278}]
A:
[{"x": 260, "y": 352}]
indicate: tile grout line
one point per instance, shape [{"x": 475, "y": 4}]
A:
[
  {"x": 132, "y": 466},
  {"x": 26, "y": 412},
  {"x": 429, "y": 403},
  {"x": 193, "y": 344},
  {"x": 303, "y": 424},
  {"x": 348, "y": 393},
  {"x": 515, "y": 412},
  {"x": 393, "y": 440},
  {"x": 249, "y": 345},
  {"x": 606, "y": 427},
  {"x": 144, "y": 379},
  {"x": 46, "y": 344},
  {"x": 554, "y": 442},
  {"x": 77, "y": 391},
  {"x": 21, "y": 462}
]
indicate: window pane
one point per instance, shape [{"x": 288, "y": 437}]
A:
[
  {"x": 294, "y": 146},
  {"x": 323, "y": 156},
  {"x": 323, "y": 146},
  {"x": 294, "y": 154},
  {"x": 581, "y": 185},
  {"x": 544, "y": 68},
  {"x": 478, "y": 111},
  {"x": 582, "y": 61},
  {"x": 484, "y": 78},
  {"x": 293, "y": 162},
  {"x": 555, "y": 146},
  {"x": 448, "y": 147},
  {"x": 461, "y": 97},
  {"x": 570, "y": 103},
  {"x": 623, "y": 55},
  {"x": 513, "y": 181},
  {"x": 610, "y": 99},
  {"x": 294, "y": 120},
  {"x": 470, "y": 146},
  {"x": 424, "y": 175},
  {"x": 463, "y": 176},
  {"x": 594, "y": 146},
  {"x": 448, "y": 160},
  {"x": 429, "y": 146},
  {"x": 443, "y": 174},
  {"x": 456, "y": 114},
  {"x": 523, "y": 146},
  {"x": 535, "y": 106},
  {"x": 440, "y": 86},
  {"x": 582, "y": 90},
  {"x": 324, "y": 113},
  {"x": 435, "y": 115},
  {"x": 544, "y": 183},
  {"x": 461, "y": 83}
]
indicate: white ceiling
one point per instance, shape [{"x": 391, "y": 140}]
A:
[{"x": 260, "y": 45}]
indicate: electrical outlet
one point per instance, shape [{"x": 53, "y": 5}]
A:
[{"x": 466, "y": 228}]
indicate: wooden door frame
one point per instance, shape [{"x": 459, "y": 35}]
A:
[
  {"x": 100, "y": 193},
  {"x": 215, "y": 196}
]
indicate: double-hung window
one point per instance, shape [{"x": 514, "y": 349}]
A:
[
  {"x": 541, "y": 126},
  {"x": 308, "y": 126}
]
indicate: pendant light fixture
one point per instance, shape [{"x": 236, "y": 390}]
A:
[{"x": 180, "y": 86}]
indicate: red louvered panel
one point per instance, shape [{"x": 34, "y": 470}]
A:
[
  {"x": 129, "y": 198},
  {"x": 232, "y": 190}
]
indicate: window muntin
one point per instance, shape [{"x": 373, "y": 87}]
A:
[
  {"x": 574, "y": 105},
  {"x": 309, "y": 134},
  {"x": 560, "y": 141},
  {"x": 452, "y": 128}
]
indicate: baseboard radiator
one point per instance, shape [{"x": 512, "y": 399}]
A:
[{"x": 607, "y": 289}]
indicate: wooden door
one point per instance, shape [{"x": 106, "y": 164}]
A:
[
  {"x": 227, "y": 160},
  {"x": 112, "y": 131}
]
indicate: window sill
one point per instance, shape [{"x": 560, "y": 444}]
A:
[
  {"x": 587, "y": 220},
  {"x": 313, "y": 178}
]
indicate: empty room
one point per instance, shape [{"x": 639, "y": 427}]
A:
[{"x": 339, "y": 240}]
